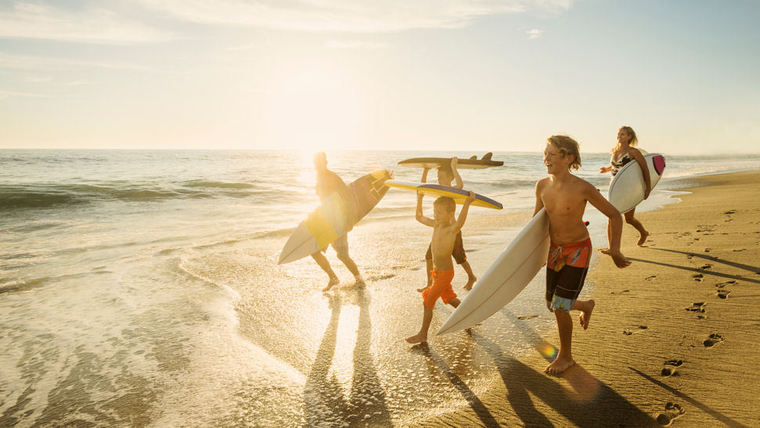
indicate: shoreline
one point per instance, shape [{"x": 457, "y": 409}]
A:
[{"x": 651, "y": 355}]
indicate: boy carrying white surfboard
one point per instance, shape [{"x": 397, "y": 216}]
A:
[{"x": 564, "y": 196}]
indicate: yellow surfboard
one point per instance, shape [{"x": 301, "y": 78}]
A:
[{"x": 458, "y": 195}]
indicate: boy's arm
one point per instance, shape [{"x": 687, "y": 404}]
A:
[
  {"x": 616, "y": 223},
  {"x": 463, "y": 213},
  {"x": 457, "y": 177},
  {"x": 424, "y": 175},
  {"x": 643, "y": 164},
  {"x": 418, "y": 215},
  {"x": 539, "y": 201}
]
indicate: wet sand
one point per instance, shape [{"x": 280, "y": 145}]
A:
[
  {"x": 300, "y": 357},
  {"x": 673, "y": 337}
]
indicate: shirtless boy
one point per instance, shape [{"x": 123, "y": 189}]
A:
[
  {"x": 445, "y": 230},
  {"x": 447, "y": 174},
  {"x": 564, "y": 197}
]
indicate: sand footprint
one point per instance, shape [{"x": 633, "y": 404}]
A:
[
  {"x": 723, "y": 284},
  {"x": 651, "y": 277},
  {"x": 697, "y": 307},
  {"x": 380, "y": 277},
  {"x": 629, "y": 332},
  {"x": 723, "y": 294},
  {"x": 713, "y": 340},
  {"x": 705, "y": 266},
  {"x": 673, "y": 411},
  {"x": 526, "y": 317},
  {"x": 698, "y": 277},
  {"x": 670, "y": 367}
]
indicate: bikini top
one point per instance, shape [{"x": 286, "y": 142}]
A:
[{"x": 617, "y": 164}]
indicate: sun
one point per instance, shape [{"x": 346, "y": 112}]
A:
[{"x": 313, "y": 106}]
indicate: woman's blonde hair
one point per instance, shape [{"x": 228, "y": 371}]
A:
[
  {"x": 567, "y": 146},
  {"x": 634, "y": 140}
]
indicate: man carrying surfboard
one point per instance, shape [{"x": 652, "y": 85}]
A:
[
  {"x": 445, "y": 230},
  {"x": 447, "y": 174},
  {"x": 564, "y": 197},
  {"x": 328, "y": 183}
]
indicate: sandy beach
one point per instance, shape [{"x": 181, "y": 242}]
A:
[
  {"x": 673, "y": 337},
  {"x": 193, "y": 323}
]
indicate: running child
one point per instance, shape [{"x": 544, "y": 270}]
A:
[
  {"x": 564, "y": 196},
  {"x": 445, "y": 230},
  {"x": 447, "y": 174}
]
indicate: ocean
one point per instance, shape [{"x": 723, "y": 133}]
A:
[{"x": 140, "y": 288}]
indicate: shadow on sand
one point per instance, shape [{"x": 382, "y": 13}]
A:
[
  {"x": 579, "y": 397},
  {"x": 753, "y": 269},
  {"x": 698, "y": 270},
  {"x": 477, "y": 406},
  {"x": 714, "y": 413},
  {"x": 324, "y": 401}
]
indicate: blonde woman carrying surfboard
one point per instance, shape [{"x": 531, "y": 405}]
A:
[{"x": 624, "y": 152}]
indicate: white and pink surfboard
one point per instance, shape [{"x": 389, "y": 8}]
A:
[{"x": 627, "y": 187}]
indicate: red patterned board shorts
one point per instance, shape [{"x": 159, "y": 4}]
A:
[
  {"x": 441, "y": 288},
  {"x": 566, "y": 268}
]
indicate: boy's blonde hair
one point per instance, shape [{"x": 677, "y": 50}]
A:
[
  {"x": 447, "y": 203},
  {"x": 567, "y": 146}
]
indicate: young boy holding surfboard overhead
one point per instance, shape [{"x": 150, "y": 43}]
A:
[
  {"x": 328, "y": 183},
  {"x": 564, "y": 197},
  {"x": 447, "y": 174},
  {"x": 624, "y": 152},
  {"x": 445, "y": 230}
]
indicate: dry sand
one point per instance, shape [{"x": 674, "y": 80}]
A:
[{"x": 674, "y": 334}]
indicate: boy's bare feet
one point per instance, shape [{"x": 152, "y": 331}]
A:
[
  {"x": 470, "y": 282},
  {"x": 417, "y": 338},
  {"x": 360, "y": 282},
  {"x": 643, "y": 239},
  {"x": 585, "y": 316},
  {"x": 558, "y": 366},
  {"x": 333, "y": 281}
]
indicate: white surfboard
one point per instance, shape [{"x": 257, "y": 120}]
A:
[
  {"x": 328, "y": 222},
  {"x": 506, "y": 278},
  {"x": 627, "y": 186}
]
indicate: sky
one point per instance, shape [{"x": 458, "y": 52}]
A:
[{"x": 494, "y": 75}]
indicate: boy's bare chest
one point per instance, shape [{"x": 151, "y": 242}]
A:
[{"x": 563, "y": 201}]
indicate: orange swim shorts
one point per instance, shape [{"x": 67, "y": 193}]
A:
[{"x": 441, "y": 288}]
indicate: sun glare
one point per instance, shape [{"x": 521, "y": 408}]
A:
[{"x": 313, "y": 107}]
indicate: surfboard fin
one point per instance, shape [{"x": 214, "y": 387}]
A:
[
  {"x": 487, "y": 156},
  {"x": 474, "y": 157}
]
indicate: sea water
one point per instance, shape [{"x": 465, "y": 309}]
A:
[{"x": 141, "y": 288}]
